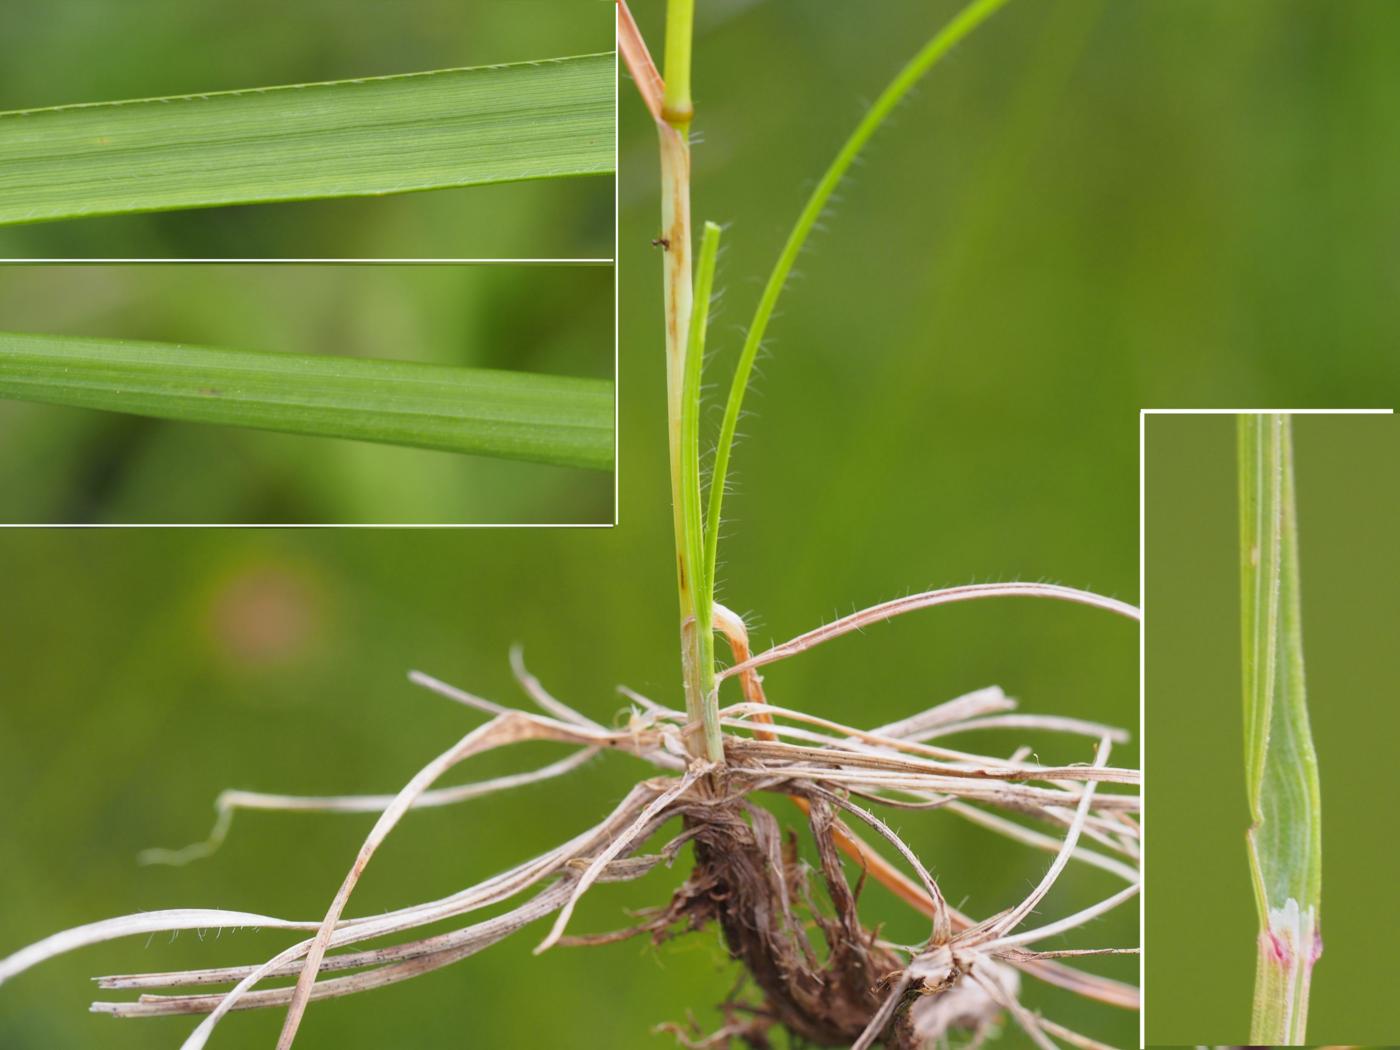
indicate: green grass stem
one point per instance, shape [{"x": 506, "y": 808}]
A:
[{"x": 677, "y": 107}]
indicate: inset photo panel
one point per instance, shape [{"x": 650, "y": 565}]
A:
[
  {"x": 1271, "y": 664},
  {"x": 290, "y": 394},
  {"x": 356, "y": 129}
]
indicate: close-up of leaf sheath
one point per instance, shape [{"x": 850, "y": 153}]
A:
[
  {"x": 346, "y": 138},
  {"x": 1285, "y": 838}
]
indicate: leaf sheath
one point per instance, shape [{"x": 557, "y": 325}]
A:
[
  {"x": 1285, "y": 836},
  {"x": 514, "y": 415},
  {"x": 395, "y": 134}
]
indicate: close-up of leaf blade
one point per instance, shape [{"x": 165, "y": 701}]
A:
[
  {"x": 514, "y": 415},
  {"x": 1285, "y": 837},
  {"x": 381, "y": 135}
]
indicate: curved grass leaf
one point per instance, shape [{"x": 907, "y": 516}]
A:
[
  {"x": 953, "y": 32},
  {"x": 1285, "y": 836},
  {"x": 515, "y": 415},
  {"x": 347, "y": 138}
]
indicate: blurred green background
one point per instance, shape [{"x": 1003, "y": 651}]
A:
[
  {"x": 71, "y": 465},
  {"x": 1201, "y": 923},
  {"x": 1091, "y": 207},
  {"x": 57, "y": 52}
]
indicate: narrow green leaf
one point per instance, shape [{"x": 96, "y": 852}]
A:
[
  {"x": 347, "y": 138},
  {"x": 956, "y": 30},
  {"x": 515, "y": 415},
  {"x": 1285, "y": 837},
  {"x": 702, "y": 584}
]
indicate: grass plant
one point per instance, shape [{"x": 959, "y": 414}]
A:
[{"x": 814, "y": 969}]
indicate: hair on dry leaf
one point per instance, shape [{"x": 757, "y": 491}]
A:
[{"x": 813, "y": 967}]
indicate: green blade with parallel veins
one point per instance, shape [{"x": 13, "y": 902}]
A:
[
  {"x": 346, "y": 138},
  {"x": 513, "y": 415}
]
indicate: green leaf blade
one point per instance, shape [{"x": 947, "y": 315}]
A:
[
  {"x": 958, "y": 28},
  {"x": 1285, "y": 837},
  {"x": 700, "y": 580},
  {"x": 383, "y": 135},
  {"x": 561, "y": 420}
]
